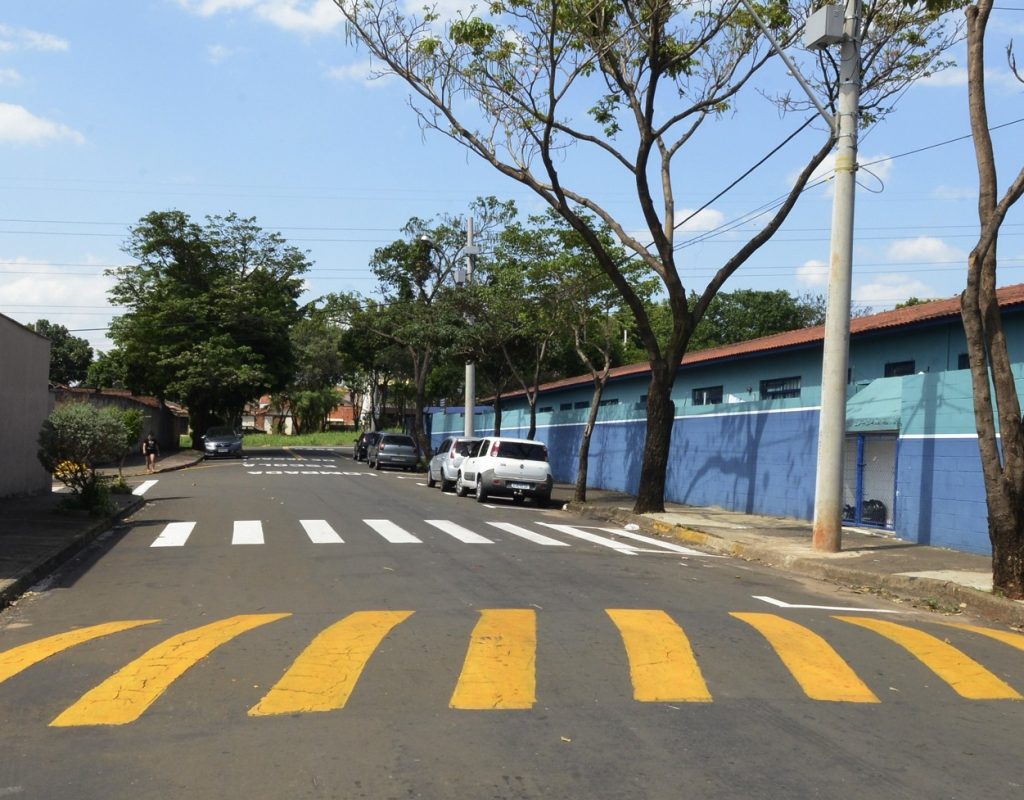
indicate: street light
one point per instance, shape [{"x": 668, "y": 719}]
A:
[{"x": 464, "y": 277}]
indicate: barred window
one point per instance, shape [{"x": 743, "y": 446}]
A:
[
  {"x": 707, "y": 396},
  {"x": 778, "y": 388}
]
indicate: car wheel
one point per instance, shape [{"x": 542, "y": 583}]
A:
[
  {"x": 376, "y": 464},
  {"x": 481, "y": 495},
  {"x": 430, "y": 479},
  {"x": 460, "y": 487}
]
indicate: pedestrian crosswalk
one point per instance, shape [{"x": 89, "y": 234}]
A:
[
  {"x": 499, "y": 670},
  {"x": 324, "y": 532}
]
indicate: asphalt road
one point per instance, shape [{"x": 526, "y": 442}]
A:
[{"x": 298, "y": 626}]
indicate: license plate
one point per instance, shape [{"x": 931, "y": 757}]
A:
[{"x": 520, "y": 486}]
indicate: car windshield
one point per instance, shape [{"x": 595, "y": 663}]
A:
[
  {"x": 524, "y": 451},
  {"x": 404, "y": 441},
  {"x": 220, "y": 432}
]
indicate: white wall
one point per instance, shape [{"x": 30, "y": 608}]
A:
[{"x": 25, "y": 403}]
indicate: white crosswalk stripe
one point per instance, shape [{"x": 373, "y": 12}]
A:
[
  {"x": 391, "y": 532},
  {"x": 320, "y": 532},
  {"x": 174, "y": 534},
  {"x": 247, "y": 531},
  {"x": 593, "y": 538},
  {"x": 536, "y": 538},
  {"x": 460, "y": 533}
]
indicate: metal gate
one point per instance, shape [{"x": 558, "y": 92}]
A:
[{"x": 869, "y": 479}]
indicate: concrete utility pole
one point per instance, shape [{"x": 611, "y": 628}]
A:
[
  {"x": 828, "y": 494},
  {"x": 471, "y": 252}
]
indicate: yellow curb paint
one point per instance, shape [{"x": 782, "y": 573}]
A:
[
  {"x": 126, "y": 694},
  {"x": 662, "y": 665},
  {"x": 325, "y": 673},
  {"x": 1012, "y": 639},
  {"x": 814, "y": 664},
  {"x": 20, "y": 658},
  {"x": 500, "y": 667},
  {"x": 966, "y": 676}
]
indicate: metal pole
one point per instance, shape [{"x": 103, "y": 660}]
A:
[
  {"x": 470, "y": 366},
  {"x": 828, "y": 495}
]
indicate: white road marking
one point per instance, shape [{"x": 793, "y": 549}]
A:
[
  {"x": 460, "y": 533},
  {"x": 391, "y": 532},
  {"x": 247, "y": 531},
  {"x": 143, "y": 487},
  {"x": 675, "y": 548},
  {"x": 174, "y": 534},
  {"x": 628, "y": 550},
  {"x": 320, "y": 532},
  {"x": 781, "y": 604},
  {"x": 536, "y": 538}
]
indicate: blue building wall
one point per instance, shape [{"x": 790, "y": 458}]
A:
[{"x": 759, "y": 457}]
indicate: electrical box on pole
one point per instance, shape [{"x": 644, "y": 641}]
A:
[{"x": 824, "y": 27}]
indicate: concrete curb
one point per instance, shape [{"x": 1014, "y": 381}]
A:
[
  {"x": 56, "y": 559},
  {"x": 922, "y": 592}
]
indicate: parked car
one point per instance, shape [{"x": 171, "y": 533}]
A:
[
  {"x": 362, "y": 446},
  {"x": 394, "y": 450},
  {"x": 444, "y": 465},
  {"x": 503, "y": 467},
  {"x": 222, "y": 440}
]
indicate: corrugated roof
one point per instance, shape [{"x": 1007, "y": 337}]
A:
[{"x": 1009, "y": 296}]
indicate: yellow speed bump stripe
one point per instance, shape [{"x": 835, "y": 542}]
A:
[
  {"x": 820, "y": 670},
  {"x": 325, "y": 673},
  {"x": 20, "y": 658},
  {"x": 661, "y": 662},
  {"x": 126, "y": 694},
  {"x": 1006, "y": 637},
  {"x": 500, "y": 667},
  {"x": 965, "y": 675}
]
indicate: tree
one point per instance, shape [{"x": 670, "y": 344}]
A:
[
  {"x": 1001, "y": 447},
  {"x": 512, "y": 83},
  {"x": 209, "y": 313},
  {"x": 318, "y": 368},
  {"x": 70, "y": 356},
  {"x": 746, "y": 314},
  {"x": 107, "y": 371}
]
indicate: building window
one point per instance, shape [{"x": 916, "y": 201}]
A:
[
  {"x": 581, "y": 404},
  {"x": 895, "y": 369},
  {"x": 963, "y": 361},
  {"x": 565, "y": 407},
  {"x": 707, "y": 396},
  {"x": 778, "y": 388},
  {"x": 612, "y": 402},
  {"x": 545, "y": 410}
]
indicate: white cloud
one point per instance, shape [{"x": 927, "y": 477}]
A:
[
  {"x": 295, "y": 16},
  {"x": 888, "y": 290},
  {"x": 18, "y": 124},
  {"x": 361, "y": 72},
  {"x": 9, "y": 77},
  {"x": 705, "y": 220},
  {"x": 923, "y": 249},
  {"x": 218, "y": 53},
  {"x": 954, "y": 193},
  {"x": 812, "y": 273},
  {"x": 957, "y": 76},
  {"x": 25, "y": 39}
]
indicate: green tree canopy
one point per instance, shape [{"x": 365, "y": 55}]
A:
[
  {"x": 210, "y": 308},
  {"x": 70, "y": 356}
]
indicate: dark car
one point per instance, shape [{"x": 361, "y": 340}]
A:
[
  {"x": 362, "y": 447},
  {"x": 222, "y": 440},
  {"x": 394, "y": 450}
]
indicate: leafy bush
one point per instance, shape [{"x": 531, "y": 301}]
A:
[{"x": 77, "y": 438}]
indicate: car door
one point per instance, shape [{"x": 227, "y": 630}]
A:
[{"x": 469, "y": 464}]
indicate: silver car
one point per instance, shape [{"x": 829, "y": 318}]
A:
[
  {"x": 222, "y": 440},
  {"x": 444, "y": 466},
  {"x": 394, "y": 450}
]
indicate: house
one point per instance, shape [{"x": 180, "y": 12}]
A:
[
  {"x": 746, "y": 425},
  {"x": 168, "y": 421},
  {"x": 26, "y": 403}
]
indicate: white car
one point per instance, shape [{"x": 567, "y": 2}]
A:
[
  {"x": 444, "y": 466},
  {"x": 502, "y": 467}
]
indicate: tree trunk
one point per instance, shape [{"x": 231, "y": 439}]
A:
[
  {"x": 532, "y": 400},
  {"x": 650, "y": 494},
  {"x": 580, "y": 491},
  {"x": 497, "y": 415}
]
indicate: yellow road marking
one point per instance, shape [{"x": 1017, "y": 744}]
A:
[
  {"x": 661, "y": 662},
  {"x": 20, "y": 658},
  {"x": 325, "y": 673},
  {"x": 126, "y": 694},
  {"x": 1012, "y": 639},
  {"x": 500, "y": 666},
  {"x": 965, "y": 675},
  {"x": 820, "y": 670},
  {"x": 293, "y": 454}
]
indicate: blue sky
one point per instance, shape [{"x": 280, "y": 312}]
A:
[{"x": 111, "y": 110}]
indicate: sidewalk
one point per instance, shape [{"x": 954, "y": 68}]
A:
[
  {"x": 37, "y": 536},
  {"x": 932, "y": 577}
]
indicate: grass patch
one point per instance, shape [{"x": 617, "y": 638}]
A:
[{"x": 326, "y": 439}]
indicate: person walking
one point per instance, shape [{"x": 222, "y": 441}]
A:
[{"x": 150, "y": 449}]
